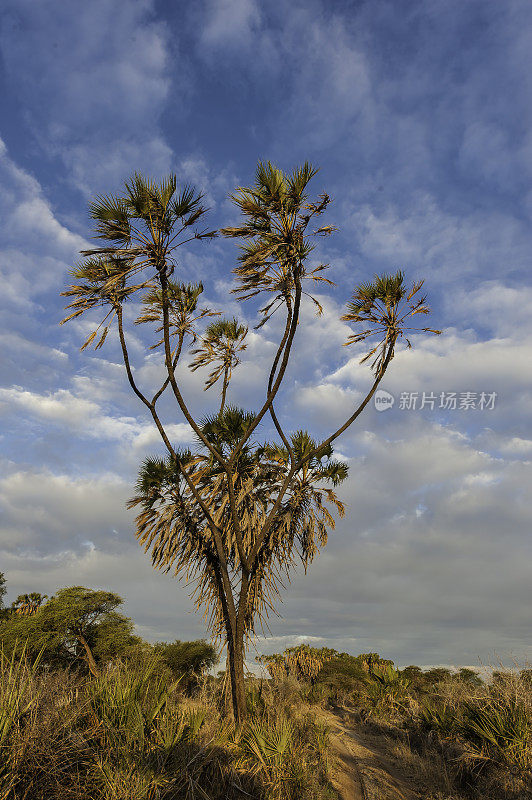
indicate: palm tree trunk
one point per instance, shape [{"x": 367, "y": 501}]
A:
[
  {"x": 227, "y": 693},
  {"x": 235, "y": 657},
  {"x": 240, "y": 688}
]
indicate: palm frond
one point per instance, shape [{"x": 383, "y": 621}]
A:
[
  {"x": 384, "y": 305},
  {"x": 143, "y": 227}
]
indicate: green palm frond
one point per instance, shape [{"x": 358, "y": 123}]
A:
[
  {"x": 142, "y": 229},
  {"x": 227, "y": 429},
  {"x": 276, "y": 246},
  {"x": 100, "y": 282},
  {"x": 220, "y": 345},
  {"x": 383, "y": 308},
  {"x": 183, "y": 312}
]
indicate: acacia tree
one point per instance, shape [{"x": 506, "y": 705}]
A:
[
  {"x": 234, "y": 514},
  {"x": 75, "y": 626}
]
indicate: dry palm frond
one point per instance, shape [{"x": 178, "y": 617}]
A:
[
  {"x": 172, "y": 526},
  {"x": 183, "y": 312},
  {"x": 220, "y": 346}
]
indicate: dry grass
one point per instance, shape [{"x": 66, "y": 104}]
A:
[
  {"x": 131, "y": 735},
  {"x": 456, "y": 739}
]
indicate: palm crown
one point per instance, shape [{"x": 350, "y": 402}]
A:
[
  {"x": 277, "y": 214},
  {"x": 384, "y": 305},
  {"x": 220, "y": 345},
  {"x": 183, "y": 309},
  {"x": 142, "y": 229},
  {"x": 172, "y": 527}
]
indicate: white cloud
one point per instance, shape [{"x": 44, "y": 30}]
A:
[
  {"x": 98, "y": 166},
  {"x": 229, "y": 23},
  {"x": 87, "y": 419},
  {"x": 46, "y": 512},
  {"x": 450, "y": 362},
  {"x": 20, "y": 347},
  {"x": 36, "y": 247},
  {"x": 448, "y": 579},
  {"x": 57, "y": 530},
  {"x": 505, "y": 311},
  {"x": 433, "y": 558},
  {"x": 444, "y": 245}
]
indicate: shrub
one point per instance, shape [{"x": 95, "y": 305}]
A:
[{"x": 187, "y": 661}]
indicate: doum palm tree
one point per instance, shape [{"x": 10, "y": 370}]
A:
[
  {"x": 232, "y": 514},
  {"x": 28, "y": 604}
]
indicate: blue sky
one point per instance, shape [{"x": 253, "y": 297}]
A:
[{"x": 419, "y": 117}]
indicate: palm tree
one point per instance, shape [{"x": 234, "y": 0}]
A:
[
  {"x": 303, "y": 661},
  {"x": 170, "y": 525},
  {"x": 183, "y": 312},
  {"x": 28, "y": 604},
  {"x": 232, "y": 514},
  {"x": 220, "y": 345}
]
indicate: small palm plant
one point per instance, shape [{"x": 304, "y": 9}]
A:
[
  {"x": 127, "y": 705},
  {"x": 267, "y": 749},
  {"x": 499, "y": 730},
  {"x": 18, "y": 691},
  {"x": 387, "y": 689},
  {"x": 220, "y": 345}
]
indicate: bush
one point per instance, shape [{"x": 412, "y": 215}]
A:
[{"x": 187, "y": 661}]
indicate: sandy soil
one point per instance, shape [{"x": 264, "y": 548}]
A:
[{"x": 364, "y": 772}]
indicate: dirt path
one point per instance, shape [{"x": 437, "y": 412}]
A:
[{"x": 364, "y": 771}]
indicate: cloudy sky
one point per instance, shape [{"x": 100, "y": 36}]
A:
[{"x": 419, "y": 115}]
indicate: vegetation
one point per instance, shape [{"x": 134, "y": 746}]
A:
[
  {"x": 3, "y": 591},
  {"x": 77, "y": 626},
  {"x": 131, "y": 735},
  {"x": 145, "y": 726},
  {"x": 190, "y": 659},
  {"x": 149, "y": 722},
  {"x": 452, "y": 735},
  {"x": 234, "y": 515}
]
